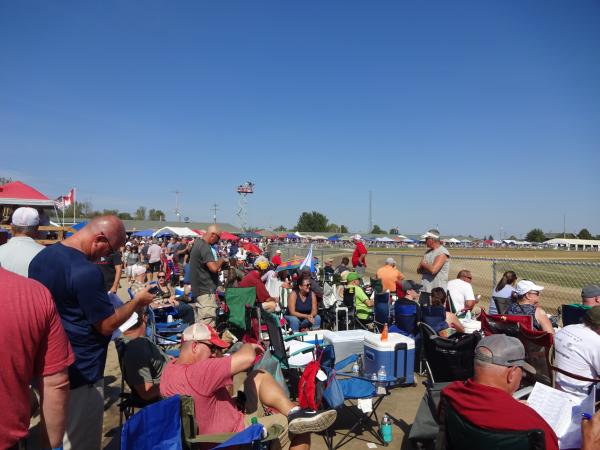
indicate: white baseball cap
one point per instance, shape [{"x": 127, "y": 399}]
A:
[
  {"x": 525, "y": 286},
  {"x": 138, "y": 269},
  {"x": 357, "y": 237},
  {"x": 26, "y": 217},
  {"x": 203, "y": 332}
]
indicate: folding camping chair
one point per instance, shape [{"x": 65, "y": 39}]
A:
[
  {"x": 381, "y": 309},
  {"x": 377, "y": 285},
  {"x": 503, "y": 324},
  {"x": 349, "y": 304},
  {"x": 349, "y": 388},
  {"x": 434, "y": 316},
  {"x": 572, "y": 314},
  {"x": 164, "y": 334},
  {"x": 448, "y": 359},
  {"x": 287, "y": 351},
  {"x": 502, "y": 304},
  {"x": 538, "y": 345},
  {"x": 241, "y": 302},
  {"x": 460, "y": 434}
]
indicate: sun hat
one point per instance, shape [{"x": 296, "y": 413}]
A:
[
  {"x": 203, "y": 332},
  {"x": 433, "y": 233},
  {"x": 506, "y": 351},
  {"x": 352, "y": 276},
  {"x": 525, "y": 286},
  {"x": 25, "y": 217}
]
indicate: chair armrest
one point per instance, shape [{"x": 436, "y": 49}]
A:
[
  {"x": 346, "y": 362},
  {"x": 289, "y": 337}
]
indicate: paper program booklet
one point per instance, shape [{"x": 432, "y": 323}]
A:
[{"x": 562, "y": 411}]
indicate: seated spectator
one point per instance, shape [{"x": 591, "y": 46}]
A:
[
  {"x": 314, "y": 283},
  {"x": 590, "y": 295},
  {"x": 505, "y": 289},
  {"x": 486, "y": 399},
  {"x": 343, "y": 266},
  {"x": 411, "y": 291},
  {"x": 527, "y": 304},
  {"x": 142, "y": 361},
  {"x": 167, "y": 294},
  {"x": 328, "y": 271},
  {"x": 343, "y": 284},
  {"x": 302, "y": 308},
  {"x": 252, "y": 279},
  {"x": 201, "y": 373},
  {"x": 390, "y": 276},
  {"x": 362, "y": 302},
  {"x": 438, "y": 298},
  {"x": 461, "y": 293},
  {"x": 577, "y": 350}
]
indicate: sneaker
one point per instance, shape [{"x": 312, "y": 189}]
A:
[{"x": 307, "y": 421}]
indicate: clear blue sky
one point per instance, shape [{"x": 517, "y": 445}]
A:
[{"x": 467, "y": 115}]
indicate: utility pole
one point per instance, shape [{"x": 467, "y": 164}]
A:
[
  {"x": 370, "y": 211},
  {"x": 214, "y": 209},
  {"x": 564, "y": 226},
  {"x": 177, "y": 212}
]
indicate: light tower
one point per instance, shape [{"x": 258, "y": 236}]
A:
[{"x": 243, "y": 191}]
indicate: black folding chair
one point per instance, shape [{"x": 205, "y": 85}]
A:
[
  {"x": 572, "y": 314},
  {"x": 502, "y": 304}
]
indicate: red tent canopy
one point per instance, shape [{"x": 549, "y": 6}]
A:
[
  {"x": 199, "y": 232},
  {"x": 17, "y": 193},
  {"x": 250, "y": 247},
  {"x": 225, "y": 236}
]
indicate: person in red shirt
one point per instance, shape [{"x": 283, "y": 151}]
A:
[
  {"x": 359, "y": 256},
  {"x": 486, "y": 399},
  {"x": 34, "y": 347},
  {"x": 203, "y": 374},
  {"x": 253, "y": 279},
  {"x": 277, "y": 258}
]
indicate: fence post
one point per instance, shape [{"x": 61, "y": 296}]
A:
[{"x": 494, "y": 283}]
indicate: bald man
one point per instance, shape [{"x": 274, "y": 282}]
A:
[
  {"x": 88, "y": 317},
  {"x": 205, "y": 266}
]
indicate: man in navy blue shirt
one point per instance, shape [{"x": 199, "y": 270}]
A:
[{"x": 88, "y": 317}]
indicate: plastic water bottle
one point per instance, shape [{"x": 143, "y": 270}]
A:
[
  {"x": 382, "y": 374},
  {"x": 386, "y": 429},
  {"x": 355, "y": 368}
]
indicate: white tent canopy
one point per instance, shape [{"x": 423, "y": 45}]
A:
[
  {"x": 176, "y": 231},
  {"x": 384, "y": 239},
  {"x": 452, "y": 241},
  {"x": 318, "y": 238}
]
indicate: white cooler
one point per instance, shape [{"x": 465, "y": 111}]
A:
[
  {"x": 471, "y": 325},
  {"x": 345, "y": 343},
  {"x": 396, "y": 354}
]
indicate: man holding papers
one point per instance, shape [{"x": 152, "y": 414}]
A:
[{"x": 486, "y": 399}]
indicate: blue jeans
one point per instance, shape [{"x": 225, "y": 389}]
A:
[{"x": 296, "y": 323}]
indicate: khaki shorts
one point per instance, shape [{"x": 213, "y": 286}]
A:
[
  {"x": 206, "y": 309},
  {"x": 254, "y": 408}
]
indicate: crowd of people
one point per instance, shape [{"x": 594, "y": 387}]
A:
[{"x": 65, "y": 296}]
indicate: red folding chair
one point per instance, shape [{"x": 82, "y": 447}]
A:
[{"x": 504, "y": 324}]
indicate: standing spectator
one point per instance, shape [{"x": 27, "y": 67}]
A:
[
  {"x": 461, "y": 293},
  {"x": 590, "y": 295},
  {"x": 505, "y": 289},
  {"x": 18, "y": 252},
  {"x": 577, "y": 349},
  {"x": 359, "y": 256},
  {"x": 204, "y": 274},
  {"x": 276, "y": 261},
  {"x": 132, "y": 259},
  {"x": 343, "y": 266},
  {"x": 390, "y": 276},
  {"x": 34, "y": 347},
  {"x": 88, "y": 317},
  {"x": 111, "y": 267},
  {"x": 153, "y": 253},
  {"x": 435, "y": 265}
]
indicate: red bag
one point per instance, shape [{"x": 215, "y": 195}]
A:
[{"x": 311, "y": 389}]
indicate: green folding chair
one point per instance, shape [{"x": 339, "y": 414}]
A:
[{"x": 240, "y": 302}]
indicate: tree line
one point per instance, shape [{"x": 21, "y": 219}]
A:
[{"x": 84, "y": 210}]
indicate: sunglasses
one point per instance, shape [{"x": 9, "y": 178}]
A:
[{"x": 161, "y": 276}]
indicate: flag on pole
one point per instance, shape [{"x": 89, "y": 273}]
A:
[
  {"x": 60, "y": 203},
  {"x": 308, "y": 261},
  {"x": 69, "y": 199}
]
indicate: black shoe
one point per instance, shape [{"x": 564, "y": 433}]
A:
[{"x": 308, "y": 421}]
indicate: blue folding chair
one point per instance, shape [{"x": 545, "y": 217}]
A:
[
  {"x": 406, "y": 318},
  {"x": 381, "y": 309},
  {"x": 435, "y": 317}
]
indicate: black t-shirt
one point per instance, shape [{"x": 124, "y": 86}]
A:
[{"x": 107, "y": 266}]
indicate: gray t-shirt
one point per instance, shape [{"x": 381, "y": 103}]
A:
[
  {"x": 143, "y": 361},
  {"x": 440, "y": 279},
  {"x": 203, "y": 281}
]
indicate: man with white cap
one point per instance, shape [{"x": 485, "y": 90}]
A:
[
  {"x": 359, "y": 256},
  {"x": 435, "y": 265},
  {"x": 528, "y": 304},
  {"x": 276, "y": 261},
  {"x": 18, "y": 252},
  {"x": 202, "y": 373},
  {"x": 486, "y": 399},
  {"x": 390, "y": 276}
]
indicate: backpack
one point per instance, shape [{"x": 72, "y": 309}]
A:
[{"x": 310, "y": 388}]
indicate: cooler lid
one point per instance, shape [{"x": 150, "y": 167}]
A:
[
  {"x": 374, "y": 341},
  {"x": 345, "y": 335}
]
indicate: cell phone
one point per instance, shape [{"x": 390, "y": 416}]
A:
[{"x": 154, "y": 290}]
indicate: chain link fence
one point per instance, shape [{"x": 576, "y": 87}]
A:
[{"x": 562, "y": 280}]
